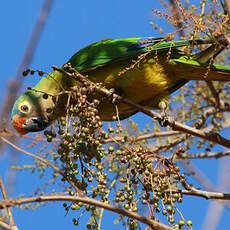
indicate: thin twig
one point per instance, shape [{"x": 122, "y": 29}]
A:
[
  {"x": 207, "y": 194},
  {"x": 198, "y": 176},
  {"x": 41, "y": 159},
  {"x": 86, "y": 200},
  {"x": 176, "y": 14},
  {"x": 144, "y": 136},
  {"x": 214, "y": 92},
  {"x": 102, "y": 210},
  {"x": 44, "y": 161},
  {"x": 213, "y": 194},
  {"x": 190, "y": 190},
  {"x": 5, "y": 198},
  {"x": 204, "y": 155}
]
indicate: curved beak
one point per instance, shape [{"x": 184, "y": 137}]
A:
[{"x": 35, "y": 124}]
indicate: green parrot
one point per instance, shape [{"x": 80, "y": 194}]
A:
[{"x": 144, "y": 70}]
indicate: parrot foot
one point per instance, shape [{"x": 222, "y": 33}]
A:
[
  {"x": 113, "y": 96},
  {"x": 166, "y": 120}
]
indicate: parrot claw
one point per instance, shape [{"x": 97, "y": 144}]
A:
[
  {"x": 115, "y": 99},
  {"x": 113, "y": 96},
  {"x": 166, "y": 120}
]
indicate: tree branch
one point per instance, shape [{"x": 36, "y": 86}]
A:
[
  {"x": 207, "y": 194},
  {"x": 176, "y": 126},
  {"x": 204, "y": 155},
  {"x": 152, "y": 223}
]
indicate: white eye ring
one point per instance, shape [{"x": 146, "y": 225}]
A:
[{"x": 24, "y": 107}]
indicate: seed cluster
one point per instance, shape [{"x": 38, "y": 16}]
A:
[
  {"x": 81, "y": 149},
  {"x": 105, "y": 164},
  {"x": 119, "y": 172},
  {"x": 152, "y": 183}
]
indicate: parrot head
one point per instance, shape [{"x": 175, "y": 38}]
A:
[{"x": 31, "y": 112}]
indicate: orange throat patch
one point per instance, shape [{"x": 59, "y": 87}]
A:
[{"x": 17, "y": 122}]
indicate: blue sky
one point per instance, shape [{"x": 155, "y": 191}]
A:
[{"x": 72, "y": 25}]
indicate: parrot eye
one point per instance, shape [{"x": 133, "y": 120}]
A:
[
  {"x": 45, "y": 96},
  {"x": 24, "y": 108}
]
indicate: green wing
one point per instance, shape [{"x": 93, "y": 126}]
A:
[{"x": 101, "y": 53}]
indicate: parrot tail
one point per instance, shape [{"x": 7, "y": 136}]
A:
[{"x": 194, "y": 70}]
